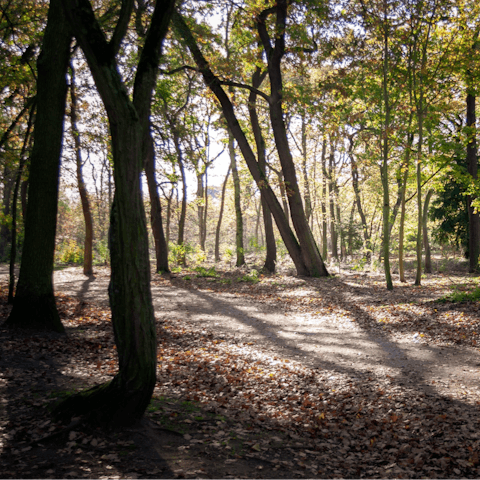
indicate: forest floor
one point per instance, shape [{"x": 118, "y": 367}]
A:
[{"x": 272, "y": 376}]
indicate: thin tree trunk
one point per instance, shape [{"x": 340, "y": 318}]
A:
[
  {"x": 401, "y": 234},
  {"x": 34, "y": 304},
  {"x": 13, "y": 250},
  {"x": 238, "y": 207},
  {"x": 384, "y": 166},
  {"x": 271, "y": 247},
  {"x": 472, "y": 166},
  {"x": 87, "y": 213},
  {"x": 220, "y": 216},
  {"x": 156, "y": 223},
  {"x": 324, "y": 201},
  {"x": 426, "y": 243}
]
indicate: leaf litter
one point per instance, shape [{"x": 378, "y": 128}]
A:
[{"x": 224, "y": 408}]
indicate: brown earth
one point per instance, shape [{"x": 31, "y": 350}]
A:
[{"x": 335, "y": 365}]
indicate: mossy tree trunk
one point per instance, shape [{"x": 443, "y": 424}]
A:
[
  {"x": 34, "y": 303},
  {"x": 123, "y": 401}
]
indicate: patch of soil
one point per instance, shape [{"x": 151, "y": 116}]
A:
[{"x": 266, "y": 377}]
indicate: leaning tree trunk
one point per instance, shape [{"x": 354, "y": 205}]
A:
[
  {"x": 214, "y": 84},
  {"x": 34, "y": 304},
  {"x": 310, "y": 253},
  {"x": 87, "y": 213}
]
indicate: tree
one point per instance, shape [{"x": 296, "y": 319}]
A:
[
  {"x": 123, "y": 400},
  {"x": 305, "y": 256},
  {"x": 87, "y": 212},
  {"x": 34, "y": 303}
]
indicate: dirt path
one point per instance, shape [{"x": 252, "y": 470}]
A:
[{"x": 325, "y": 338}]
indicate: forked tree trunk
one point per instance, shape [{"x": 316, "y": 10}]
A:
[
  {"x": 34, "y": 304},
  {"x": 123, "y": 400},
  {"x": 213, "y": 82}
]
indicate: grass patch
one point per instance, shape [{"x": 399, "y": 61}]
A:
[{"x": 458, "y": 296}]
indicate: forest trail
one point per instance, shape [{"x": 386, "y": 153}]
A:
[{"x": 337, "y": 334}]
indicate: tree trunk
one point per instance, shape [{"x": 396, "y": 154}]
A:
[
  {"x": 8, "y": 185},
  {"x": 13, "y": 250},
  {"x": 324, "y": 201},
  {"x": 426, "y": 243},
  {"x": 87, "y": 213},
  {"x": 384, "y": 166},
  {"x": 34, "y": 304},
  {"x": 306, "y": 183},
  {"x": 401, "y": 233},
  {"x": 331, "y": 202},
  {"x": 310, "y": 253},
  {"x": 262, "y": 182},
  {"x": 161, "y": 245},
  {"x": 238, "y": 207},
  {"x": 201, "y": 210},
  {"x": 183, "y": 211},
  {"x": 220, "y": 216},
  {"x": 472, "y": 167},
  {"x": 358, "y": 202},
  {"x": 271, "y": 246},
  {"x": 123, "y": 400}
]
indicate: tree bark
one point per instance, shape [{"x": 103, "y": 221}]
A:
[
  {"x": 34, "y": 304},
  {"x": 87, "y": 213},
  {"x": 123, "y": 400}
]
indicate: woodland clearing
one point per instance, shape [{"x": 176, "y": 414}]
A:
[{"x": 258, "y": 377}]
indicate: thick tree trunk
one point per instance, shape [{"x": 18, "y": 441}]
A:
[
  {"x": 34, "y": 304},
  {"x": 123, "y": 401},
  {"x": 87, "y": 213},
  {"x": 220, "y": 216},
  {"x": 472, "y": 166}
]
